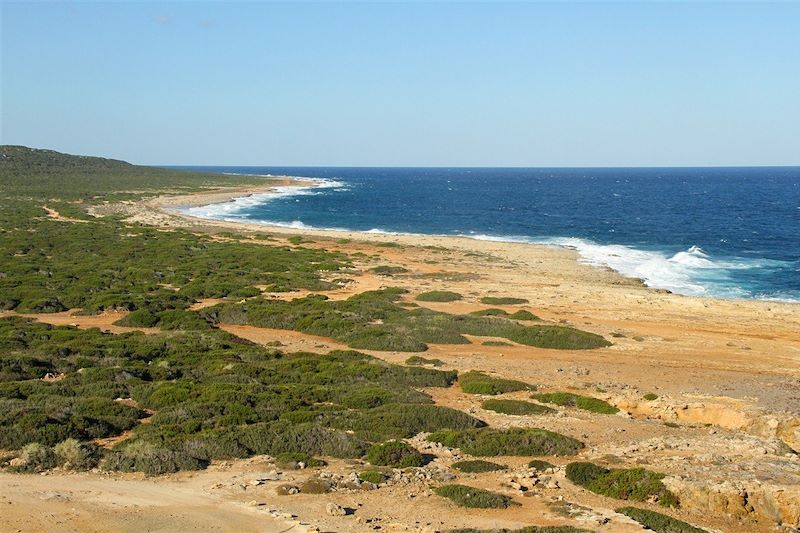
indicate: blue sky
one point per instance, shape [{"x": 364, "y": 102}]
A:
[{"x": 461, "y": 84}]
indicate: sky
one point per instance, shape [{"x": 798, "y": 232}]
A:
[{"x": 405, "y": 84}]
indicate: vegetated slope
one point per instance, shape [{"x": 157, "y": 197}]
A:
[{"x": 49, "y": 174}]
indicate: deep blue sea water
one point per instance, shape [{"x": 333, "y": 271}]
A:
[{"x": 726, "y": 232}]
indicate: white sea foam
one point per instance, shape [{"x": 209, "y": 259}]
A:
[{"x": 227, "y": 210}]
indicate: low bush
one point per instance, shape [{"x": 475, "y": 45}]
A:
[
  {"x": 477, "y": 466},
  {"x": 587, "y": 403},
  {"x": 397, "y": 421},
  {"x": 660, "y": 523},
  {"x": 315, "y": 486},
  {"x": 474, "y": 382},
  {"x": 516, "y": 407},
  {"x": 75, "y": 455},
  {"x": 439, "y": 296},
  {"x": 416, "y": 360},
  {"x": 635, "y": 484},
  {"x": 396, "y": 454},
  {"x": 488, "y": 442},
  {"x": 496, "y": 343},
  {"x": 466, "y": 496},
  {"x": 492, "y": 311},
  {"x": 35, "y": 457},
  {"x": 386, "y": 270},
  {"x": 650, "y": 396},
  {"x": 539, "y": 465},
  {"x": 523, "y": 315},
  {"x": 372, "y": 476},
  {"x": 502, "y": 300},
  {"x": 141, "y": 456}
]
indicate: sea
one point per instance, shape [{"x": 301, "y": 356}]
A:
[{"x": 719, "y": 232}]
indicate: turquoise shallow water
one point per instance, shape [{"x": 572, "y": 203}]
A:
[{"x": 726, "y": 232}]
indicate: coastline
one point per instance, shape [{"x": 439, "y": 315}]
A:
[{"x": 724, "y": 373}]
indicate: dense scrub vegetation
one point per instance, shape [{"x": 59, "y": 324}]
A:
[
  {"x": 466, "y": 496},
  {"x": 396, "y": 454},
  {"x": 490, "y": 442},
  {"x": 373, "y": 320},
  {"x": 516, "y": 407},
  {"x": 207, "y": 394},
  {"x": 586, "y": 403},
  {"x": 636, "y": 484},
  {"x": 518, "y": 315},
  {"x": 475, "y": 382},
  {"x": 660, "y": 523},
  {"x": 214, "y": 396},
  {"x": 416, "y": 360}
]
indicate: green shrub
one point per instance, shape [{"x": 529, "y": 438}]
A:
[
  {"x": 439, "y": 296},
  {"x": 523, "y": 315},
  {"x": 488, "y": 442},
  {"x": 538, "y": 464},
  {"x": 141, "y": 318},
  {"x": 35, "y": 457},
  {"x": 516, "y": 407},
  {"x": 474, "y": 382},
  {"x": 585, "y": 403},
  {"x": 141, "y": 456},
  {"x": 372, "y": 476},
  {"x": 477, "y": 466},
  {"x": 416, "y": 360},
  {"x": 660, "y": 523},
  {"x": 386, "y": 270},
  {"x": 496, "y": 343},
  {"x": 493, "y": 311},
  {"x": 75, "y": 455},
  {"x": 650, "y": 396},
  {"x": 466, "y": 496},
  {"x": 583, "y": 473},
  {"x": 502, "y": 300},
  {"x": 396, "y": 454},
  {"x": 635, "y": 484},
  {"x": 402, "y": 420}
]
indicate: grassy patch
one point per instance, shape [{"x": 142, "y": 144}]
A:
[
  {"x": 477, "y": 466},
  {"x": 636, "y": 484},
  {"x": 439, "y": 296},
  {"x": 587, "y": 403},
  {"x": 502, "y": 300},
  {"x": 396, "y": 454},
  {"x": 488, "y": 442},
  {"x": 416, "y": 360},
  {"x": 660, "y": 523},
  {"x": 465, "y": 496},
  {"x": 516, "y": 407},
  {"x": 474, "y": 382}
]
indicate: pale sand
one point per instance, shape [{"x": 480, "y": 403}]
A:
[{"x": 729, "y": 365}]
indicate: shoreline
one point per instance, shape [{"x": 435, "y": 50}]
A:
[{"x": 175, "y": 204}]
